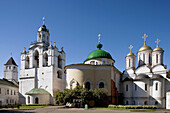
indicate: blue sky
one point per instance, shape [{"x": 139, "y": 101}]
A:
[{"x": 75, "y": 24}]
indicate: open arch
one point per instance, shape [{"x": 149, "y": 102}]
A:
[
  {"x": 36, "y": 100},
  {"x": 36, "y": 59},
  {"x": 59, "y": 74},
  {"x": 27, "y": 62},
  {"x": 88, "y": 85},
  {"x": 101, "y": 85},
  {"x": 45, "y": 59},
  {"x": 28, "y": 99},
  {"x": 73, "y": 84},
  {"x": 59, "y": 62}
]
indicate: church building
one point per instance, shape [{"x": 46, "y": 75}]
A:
[
  {"x": 146, "y": 84},
  {"x": 42, "y": 70},
  {"x": 97, "y": 71}
]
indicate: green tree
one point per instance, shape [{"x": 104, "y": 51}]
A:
[{"x": 168, "y": 74}]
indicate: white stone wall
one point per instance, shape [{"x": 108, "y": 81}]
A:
[
  {"x": 42, "y": 99},
  {"x": 10, "y": 97}
]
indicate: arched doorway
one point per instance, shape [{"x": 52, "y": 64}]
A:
[
  {"x": 101, "y": 85},
  {"x": 36, "y": 100},
  {"x": 87, "y": 85}
]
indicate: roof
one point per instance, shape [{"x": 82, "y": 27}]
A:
[
  {"x": 11, "y": 62},
  {"x": 157, "y": 76},
  {"x": 142, "y": 76},
  {"x": 158, "y": 49},
  {"x": 36, "y": 91},
  {"x": 99, "y": 53},
  {"x": 8, "y": 83},
  {"x": 145, "y": 47}
]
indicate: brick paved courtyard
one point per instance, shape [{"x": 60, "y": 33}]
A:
[{"x": 53, "y": 109}]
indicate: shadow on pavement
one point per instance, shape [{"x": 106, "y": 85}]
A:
[{"x": 8, "y": 111}]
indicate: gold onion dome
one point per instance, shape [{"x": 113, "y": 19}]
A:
[
  {"x": 130, "y": 54},
  {"x": 158, "y": 48},
  {"x": 145, "y": 47}
]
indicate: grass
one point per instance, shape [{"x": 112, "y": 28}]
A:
[
  {"x": 125, "y": 109},
  {"x": 12, "y": 109}
]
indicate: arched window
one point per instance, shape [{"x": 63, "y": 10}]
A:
[
  {"x": 36, "y": 100},
  {"x": 59, "y": 62},
  {"x": 27, "y": 62},
  {"x": 126, "y": 87},
  {"x": 144, "y": 58},
  {"x": 87, "y": 85},
  {"x": 129, "y": 62},
  {"x": 59, "y": 74},
  {"x": 156, "y": 58},
  {"x": 156, "y": 86},
  {"x": 92, "y": 62},
  {"x": 36, "y": 59},
  {"x": 101, "y": 85},
  {"x": 146, "y": 87},
  {"x": 28, "y": 99},
  {"x": 45, "y": 60}
]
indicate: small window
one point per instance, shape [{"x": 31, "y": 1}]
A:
[
  {"x": 11, "y": 92},
  {"x": 96, "y": 63},
  {"x": 126, "y": 87},
  {"x": 14, "y": 68},
  {"x": 6, "y": 101},
  {"x": 7, "y": 91},
  {"x": 156, "y": 86},
  {"x": 87, "y": 85},
  {"x": 0, "y": 90},
  {"x": 9, "y": 67},
  {"x": 129, "y": 62},
  {"x": 6, "y": 67},
  {"x": 14, "y": 92},
  {"x": 146, "y": 87}
]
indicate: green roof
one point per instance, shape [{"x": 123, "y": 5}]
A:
[
  {"x": 36, "y": 91},
  {"x": 99, "y": 53},
  {"x": 8, "y": 83}
]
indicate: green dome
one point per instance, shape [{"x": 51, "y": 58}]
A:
[{"x": 99, "y": 53}]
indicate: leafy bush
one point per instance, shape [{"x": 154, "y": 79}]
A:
[{"x": 90, "y": 97}]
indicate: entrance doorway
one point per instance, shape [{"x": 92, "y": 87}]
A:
[{"x": 36, "y": 100}]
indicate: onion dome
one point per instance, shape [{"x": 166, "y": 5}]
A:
[
  {"x": 142, "y": 76},
  {"x": 158, "y": 48},
  {"x": 130, "y": 54},
  {"x": 145, "y": 47},
  {"x": 43, "y": 27},
  {"x": 99, "y": 53}
]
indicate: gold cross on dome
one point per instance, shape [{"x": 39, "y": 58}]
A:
[
  {"x": 43, "y": 20},
  {"x": 157, "y": 41},
  {"x": 144, "y": 37},
  {"x": 130, "y": 47},
  {"x": 99, "y": 37}
]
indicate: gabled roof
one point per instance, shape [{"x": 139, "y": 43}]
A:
[
  {"x": 11, "y": 62},
  {"x": 8, "y": 83},
  {"x": 36, "y": 91}
]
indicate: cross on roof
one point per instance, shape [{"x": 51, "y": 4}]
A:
[
  {"x": 99, "y": 37},
  {"x": 157, "y": 41},
  {"x": 43, "y": 20},
  {"x": 144, "y": 37},
  {"x": 130, "y": 47}
]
